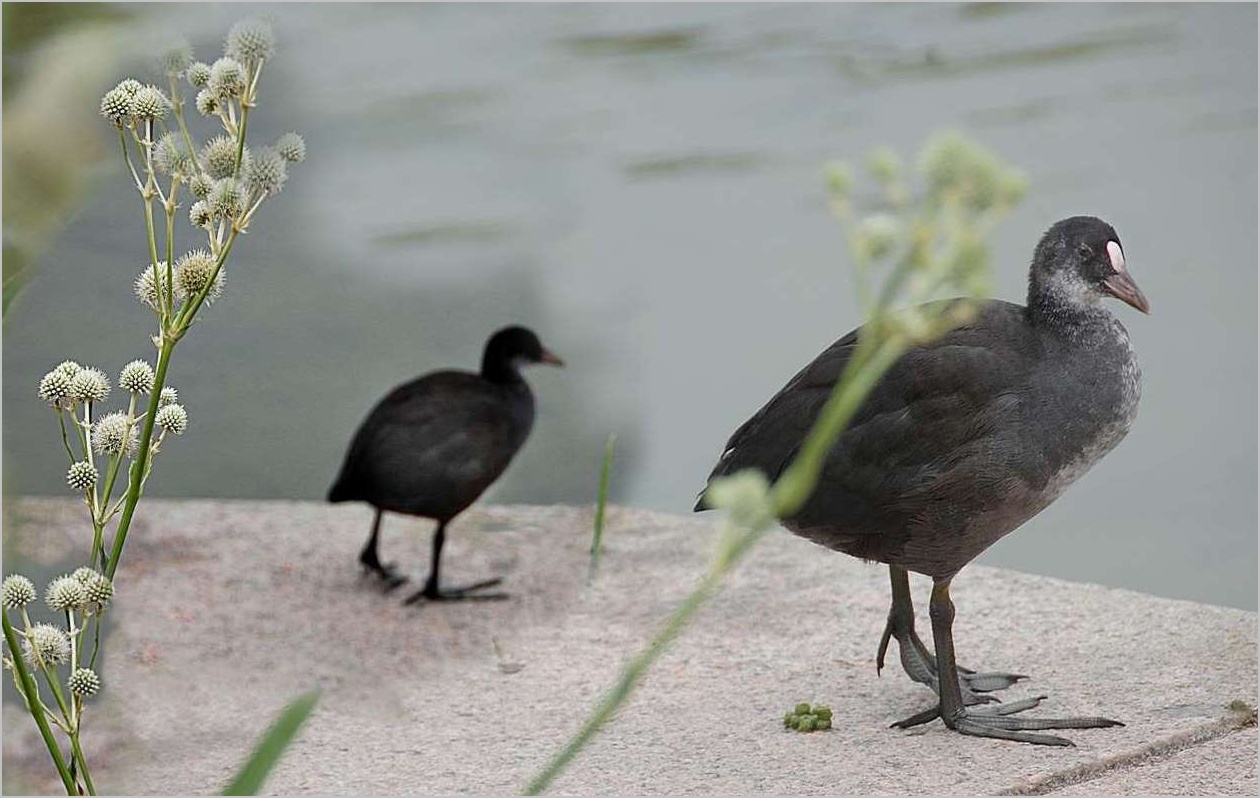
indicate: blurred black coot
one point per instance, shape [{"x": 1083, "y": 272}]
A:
[
  {"x": 963, "y": 440},
  {"x": 433, "y": 445}
]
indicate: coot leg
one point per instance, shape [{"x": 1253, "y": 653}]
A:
[
  {"x": 371, "y": 561},
  {"x": 431, "y": 592},
  {"x": 994, "y": 722},
  {"x": 918, "y": 662}
]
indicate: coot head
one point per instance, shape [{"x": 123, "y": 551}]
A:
[
  {"x": 511, "y": 348},
  {"x": 1078, "y": 263}
]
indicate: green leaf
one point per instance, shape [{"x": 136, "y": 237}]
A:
[{"x": 249, "y": 779}]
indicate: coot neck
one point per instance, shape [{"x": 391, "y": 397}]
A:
[
  {"x": 499, "y": 370},
  {"x": 1069, "y": 317}
]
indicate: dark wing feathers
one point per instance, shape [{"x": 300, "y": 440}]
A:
[{"x": 885, "y": 467}]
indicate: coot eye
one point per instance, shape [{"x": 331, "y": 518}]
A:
[{"x": 1085, "y": 251}]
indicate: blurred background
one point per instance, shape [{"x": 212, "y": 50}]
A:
[{"x": 643, "y": 186}]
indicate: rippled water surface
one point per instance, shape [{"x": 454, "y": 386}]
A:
[{"x": 642, "y": 186}]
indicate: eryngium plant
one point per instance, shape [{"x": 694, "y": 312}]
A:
[{"x": 224, "y": 184}]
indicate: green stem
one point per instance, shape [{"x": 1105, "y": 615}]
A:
[
  {"x": 77, "y": 753},
  {"x": 601, "y": 503},
  {"x": 36, "y": 706},
  {"x": 136, "y": 483},
  {"x": 240, "y": 140},
  {"x": 65, "y": 436}
]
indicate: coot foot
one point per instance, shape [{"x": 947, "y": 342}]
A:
[
  {"x": 465, "y": 593},
  {"x": 996, "y": 722},
  {"x": 918, "y": 662},
  {"x": 385, "y": 572}
]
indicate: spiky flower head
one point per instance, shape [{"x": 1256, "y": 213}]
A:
[
  {"x": 207, "y": 102},
  {"x": 150, "y": 103},
  {"x": 65, "y": 593},
  {"x": 48, "y": 643},
  {"x": 200, "y": 185},
  {"x": 250, "y": 41},
  {"x": 173, "y": 418},
  {"x": 193, "y": 271},
  {"x": 69, "y": 368},
  {"x": 218, "y": 157},
  {"x": 199, "y": 215},
  {"x": 16, "y": 592},
  {"x": 198, "y": 74},
  {"x": 177, "y": 58},
  {"x": 227, "y": 198},
  {"x": 291, "y": 147},
  {"x": 114, "y": 434},
  {"x": 55, "y": 387},
  {"x": 84, "y": 682},
  {"x": 99, "y": 590},
  {"x": 136, "y": 377},
  {"x": 118, "y": 104},
  {"x": 148, "y": 286},
  {"x": 227, "y": 77},
  {"x": 267, "y": 173},
  {"x": 171, "y": 156},
  {"x": 82, "y": 475},
  {"x": 90, "y": 385},
  {"x": 169, "y": 396},
  {"x": 85, "y": 574}
]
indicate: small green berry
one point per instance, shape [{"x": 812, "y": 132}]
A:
[
  {"x": 198, "y": 74},
  {"x": 114, "y": 434},
  {"x": 226, "y": 198},
  {"x": 49, "y": 642},
  {"x": 65, "y": 593},
  {"x": 16, "y": 591},
  {"x": 806, "y": 724},
  {"x": 822, "y": 711},
  {"x": 789, "y": 720},
  {"x": 802, "y": 709},
  {"x": 250, "y": 41},
  {"x": 291, "y": 147},
  {"x": 227, "y": 78},
  {"x": 84, "y": 682},
  {"x": 136, "y": 377},
  {"x": 90, "y": 385},
  {"x": 267, "y": 173},
  {"x": 173, "y": 418},
  {"x": 207, "y": 102},
  {"x": 82, "y": 475},
  {"x": 822, "y": 724},
  {"x": 169, "y": 396}
]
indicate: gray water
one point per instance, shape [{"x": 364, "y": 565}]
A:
[{"x": 642, "y": 185}]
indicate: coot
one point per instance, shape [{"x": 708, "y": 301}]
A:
[
  {"x": 963, "y": 440},
  {"x": 433, "y": 445}
]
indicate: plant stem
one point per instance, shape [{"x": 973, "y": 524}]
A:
[
  {"x": 35, "y": 706},
  {"x": 601, "y": 503},
  {"x": 136, "y": 483}
]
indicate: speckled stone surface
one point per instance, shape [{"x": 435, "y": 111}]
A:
[{"x": 226, "y": 610}]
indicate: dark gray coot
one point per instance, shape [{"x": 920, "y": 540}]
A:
[
  {"x": 433, "y": 445},
  {"x": 963, "y": 440}
]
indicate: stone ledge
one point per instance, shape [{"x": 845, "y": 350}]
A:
[{"x": 227, "y": 609}]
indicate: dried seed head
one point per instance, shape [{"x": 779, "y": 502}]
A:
[
  {"x": 200, "y": 186},
  {"x": 250, "y": 41},
  {"x": 55, "y": 387},
  {"x": 227, "y": 78},
  {"x": 267, "y": 173},
  {"x": 218, "y": 157},
  {"x": 17, "y": 591},
  {"x": 198, "y": 74},
  {"x": 192, "y": 275},
  {"x": 226, "y": 198},
  {"x": 207, "y": 102},
  {"x": 90, "y": 385},
  {"x": 84, "y": 682},
  {"x": 291, "y": 147},
  {"x": 65, "y": 593},
  {"x": 148, "y": 286},
  {"x": 136, "y": 377},
  {"x": 169, "y": 396},
  {"x": 114, "y": 434},
  {"x": 199, "y": 214},
  {"x": 82, "y": 475},
  {"x": 49, "y": 642},
  {"x": 173, "y": 418},
  {"x": 171, "y": 156}
]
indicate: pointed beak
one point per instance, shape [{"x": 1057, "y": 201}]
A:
[
  {"x": 550, "y": 359},
  {"x": 1121, "y": 286}
]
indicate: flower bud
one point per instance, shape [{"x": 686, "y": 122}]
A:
[
  {"x": 226, "y": 198},
  {"x": 65, "y": 593},
  {"x": 250, "y": 41},
  {"x": 136, "y": 377},
  {"x": 291, "y": 147},
  {"x": 47, "y": 642},
  {"x": 207, "y": 102},
  {"x": 84, "y": 682},
  {"x": 267, "y": 173},
  {"x": 150, "y": 103},
  {"x": 82, "y": 475},
  {"x": 198, "y": 74},
  {"x": 55, "y": 387},
  {"x": 192, "y": 275},
  {"x": 173, "y": 418},
  {"x": 114, "y": 434},
  {"x": 169, "y": 396},
  {"x": 90, "y": 385},
  {"x": 227, "y": 78},
  {"x": 17, "y": 591}
]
